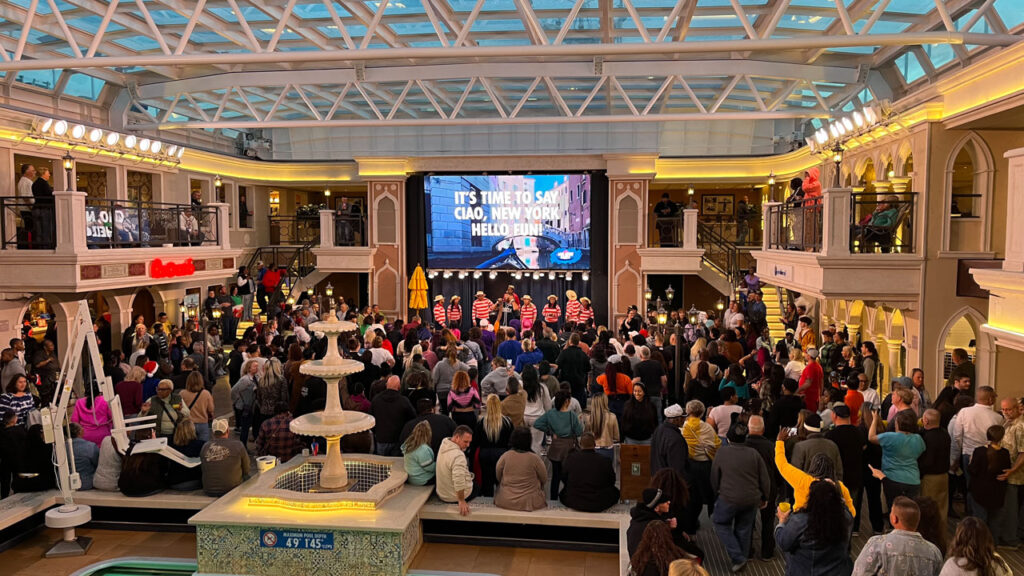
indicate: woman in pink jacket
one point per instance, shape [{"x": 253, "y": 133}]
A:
[{"x": 93, "y": 414}]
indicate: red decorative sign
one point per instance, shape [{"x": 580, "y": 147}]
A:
[{"x": 159, "y": 269}]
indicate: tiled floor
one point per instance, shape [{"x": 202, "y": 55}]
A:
[{"x": 27, "y": 558}]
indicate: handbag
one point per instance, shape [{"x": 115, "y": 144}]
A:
[{"x": 560, "y": 447}]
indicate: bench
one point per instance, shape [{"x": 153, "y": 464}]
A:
[
  {"x": 194, "y": 500},
  {"x": 482, "y": 509},
  {"x": 18, "y": 507}
]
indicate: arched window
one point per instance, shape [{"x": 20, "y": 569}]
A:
[
  {"x": 968, "y": 185},
  {"x": 386, "y": 225},
  {"x": 628, "y": 221}
]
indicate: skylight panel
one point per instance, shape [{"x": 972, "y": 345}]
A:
[
  {"x": 909, "y": 67},
  {"x": 939, "y": 54},
  {"x": 1011, "y": 12},
  {"x": 84, "y": 86},
  {"x": 911, "y": 6},
  {"x": 46, "y": 79},
  {"x": 138, "y": 43}
]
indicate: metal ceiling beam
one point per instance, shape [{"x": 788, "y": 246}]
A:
[
  {"x": 487, "y": 121},
  {"x": 761, "y": 69},
  {"x": 561, "y": 50}
]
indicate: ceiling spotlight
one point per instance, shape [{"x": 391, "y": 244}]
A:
[
  {"x": 536, "y": 275},
  {"x": 492, "y": 275},
  {"x": 155, "y": 148},
  {"x": 462, "y": 275},
  {"x": 172, "y": 150},
  {"x": 833, "y": 130},
  {"x": 112, "y": 138},
  {"x": 60, "y": 128},
  {"x": 78, "y": 131},
  {"x": 847, "y": 124},
  {"x": 95, "y": 135},
  {"x": 519, "y": 275},
  {"x": 129, "y": 141},
  {"x": 858, "y": 119},
  {"x": 46, "y": 125},
  {"x": 586, "y": 277},
  {"x": 144, "y": 145},
  {"x": 447, "y": 274},
  {"x": 821, "y": 136},
  {"x": 477, "y": 274},
  {"x": 181, "y": 151},
  {"x": 870, "y": 114},
  {"x": 551, "y": 275},
  {"x": 568, "y": 276}
]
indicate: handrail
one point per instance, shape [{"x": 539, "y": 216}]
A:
[
  {"x": 795, "y": 225},
  {"x": 882, "y": 223},
  {"x": 719, "y": 253},
  {"x": 300, "y": 262}
]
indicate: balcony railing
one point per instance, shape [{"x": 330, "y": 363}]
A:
[
  {"x": 349, "y": 229},
  {"x": 794, "y": 225},
  {"x": 668, "y": 231},
  {"x": 76, "y": 223},
  {"x": 288, "y": 230},
  {"x": 132, "y": 224},
  {"x": 882, "y": 224}
]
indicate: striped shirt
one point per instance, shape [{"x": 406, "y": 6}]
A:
[
  {"x": 572, "y": 311},
  {"x": 455, "y": 313},
  {"x": 481, "y": 309},
  {"x": 586, "y": 314},
  {"x": 551, "y": 313},
  {"x": 439, "y": 315},
  {"x": 528, "y": 315}
]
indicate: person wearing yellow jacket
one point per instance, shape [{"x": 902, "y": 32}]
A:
[{"x": 821, "y": 468}]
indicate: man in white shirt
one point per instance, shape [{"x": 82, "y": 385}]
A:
[
  {"x": 25, "y": 200},
  {"x": 971, "y": 426},
  {"x": 733, "y": 317},
  {"x": 28, "y": 176}
]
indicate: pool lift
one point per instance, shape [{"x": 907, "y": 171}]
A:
[{"x": 69, "y": 515}]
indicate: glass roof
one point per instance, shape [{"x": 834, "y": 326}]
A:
[{"x": 797, "y": 83}]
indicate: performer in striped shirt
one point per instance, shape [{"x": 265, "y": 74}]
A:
[
  {"x": 455, "y": 312},
  {"x": 552, "y": 311},
  {"x": 527, "y": 312},
  {"x": 481, "y": 308},
  {"x": 572, "y": 307},
  {"x": 440, "y": 318},
  {"x": 586, "y": 311}
]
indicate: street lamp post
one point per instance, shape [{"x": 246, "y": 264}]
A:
[
  {"x": 837, "y": 157},
  {"x": 69, "y": 167}
]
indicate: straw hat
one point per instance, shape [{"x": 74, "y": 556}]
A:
[
  {"x": 585, "y": 299},
  {"x": 439, "y": 298},
  {"x": 552, "y": 297},
  {"x": 570, "y": 294},
  {"x": 527, "y": 297},
  {"x": 480, "y": 293}
]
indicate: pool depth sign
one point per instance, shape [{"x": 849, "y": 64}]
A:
[{"x": 296, "y": 540}]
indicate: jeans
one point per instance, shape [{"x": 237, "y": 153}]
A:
[
  {"x": 735, "y": 526},
  {"x": 203, "y": 431},
  {"x": 768, "y": 530},
  {"x": 243, "y": 420},
  {"x": 656, "y": 400},
  {"x": 385, "y": 448},
  {"x": 247, "y": 308},
  {"x": 936, "y": 487},
  {"x": 556, "y": 479},
  {"x": 1004, "y": 528}
]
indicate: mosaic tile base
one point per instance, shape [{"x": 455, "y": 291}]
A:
[{"x": 225, "y": 549}]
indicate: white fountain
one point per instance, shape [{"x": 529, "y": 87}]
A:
[{"x": 333, "y": 422}]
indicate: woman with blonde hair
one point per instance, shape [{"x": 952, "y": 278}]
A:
[
  {"x": 271, "y": 389},
  {"x": 418, "y": 456},
  {"x": 602, "y": 423},
  {"x": 491, "y": 438},
  {"x": 186, "y": 441},
  {"x": 243, "y": 399},
  {"x": 200, "y": 404}
]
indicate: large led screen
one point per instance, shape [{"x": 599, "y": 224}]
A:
[{"x": 511, "y": 222}]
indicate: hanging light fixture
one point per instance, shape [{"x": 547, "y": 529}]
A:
[
  {"x": 720, "y": 305},
  {"x": 670, "y": 293},
  {"x": 217, "y": 182}
]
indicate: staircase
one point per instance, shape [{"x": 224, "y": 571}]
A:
[
  {"x": 773, "y": 304},
  {"x": 725, "y": 263},
  {"x": 300, "y": 264}
]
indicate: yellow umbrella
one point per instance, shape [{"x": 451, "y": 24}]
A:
[{"x": 418, "y": 289}]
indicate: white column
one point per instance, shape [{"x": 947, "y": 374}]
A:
[
  {"x": 223, "y": 225},
  {"x": 690, "y": 229},
  {"x": 120, "y": 317},
  {"x": 835, "y": 233},
  {"x": 1014, "y": 260},
  {"x": 70, "y": 220},
  {"x": 895, "y": 370},
  {"x": 327, "y": 229}
]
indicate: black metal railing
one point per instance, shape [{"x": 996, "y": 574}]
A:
[
  {"x": 135, "y": 224},
  {"x": 668, "y": 231},
  {"x": 349, "y": 230},
  {"x": 743, "y": 230},
  {"x": 296, "y": 261},
  {"x": 723, "y": 255},
  {"x": 294, "y": 229},
  {"x": 795, "y": 225},
  {"x": 27, "y": 223},
  {"x": 882, "y": 223}
]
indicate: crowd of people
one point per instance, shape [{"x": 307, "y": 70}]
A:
[{"x": 791, "y": 436}]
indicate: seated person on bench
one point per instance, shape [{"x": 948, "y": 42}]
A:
[{"x": 878, "y": 226}]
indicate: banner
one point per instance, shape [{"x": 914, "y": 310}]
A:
[{"x": 100, "y": 225}]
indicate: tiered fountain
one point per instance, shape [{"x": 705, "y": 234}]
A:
[{"x": 317, "y": 514}]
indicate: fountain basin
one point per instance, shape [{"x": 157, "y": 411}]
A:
[
  {"x": 332, "y": 423},
  {"x": 372, "y": 481},
  {"x": 331, "y": 367}
]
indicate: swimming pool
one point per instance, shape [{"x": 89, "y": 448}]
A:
[{"x": 138, "y": 566}]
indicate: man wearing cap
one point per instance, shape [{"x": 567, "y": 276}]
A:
[
  {"x": 668, "y": 448},
  {"x": 572, "y": 307},
  {"x": 481, "y": 308},
  {"x": 528, "y": 312},
  {"x": 455, "y": 312},
  {"x": 812, "y": 380},
  {"x": 440, "y": 318},
  {"x": 816, "y": 443},
  {"x": 790, "y": 341},
  {"x": 653, "y": 506},
  {"x": 552, "y": 311},
  {"x": 224, "y": 461}
]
